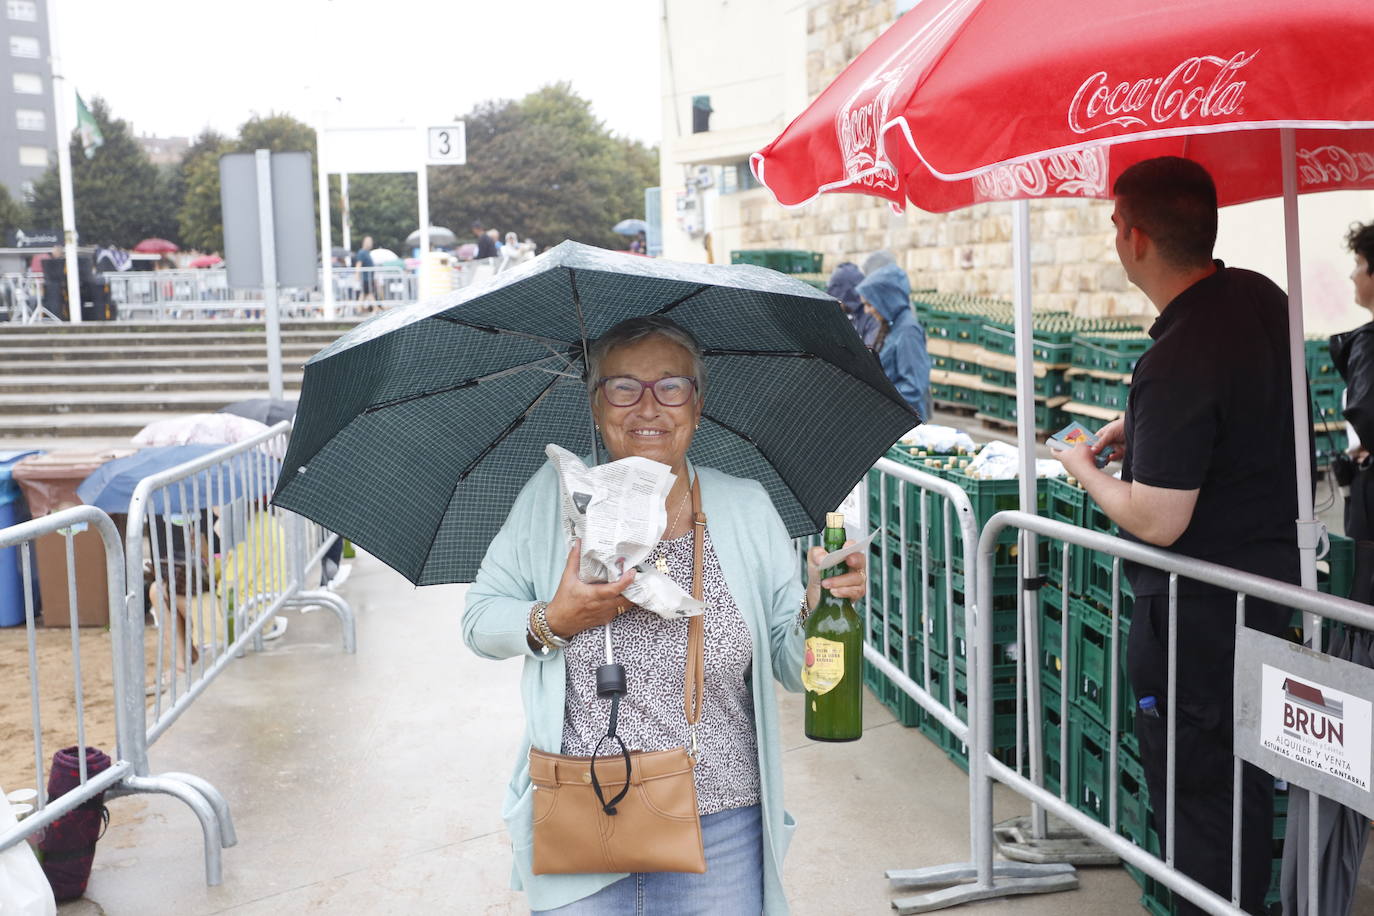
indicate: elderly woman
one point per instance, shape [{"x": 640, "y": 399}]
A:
[{"x": 647, "y": 386}]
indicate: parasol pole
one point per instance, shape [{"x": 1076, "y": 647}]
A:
[
  {"x": 1310, "y": 531},
  {"x": 1025, "y": 443},
  {"x": 63, "y": 100}
]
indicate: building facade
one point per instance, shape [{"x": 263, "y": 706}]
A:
[
  {"x": 761, "y": 63},
  {"x": 27, "y": 129}
]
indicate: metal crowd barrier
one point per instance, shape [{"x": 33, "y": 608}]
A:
[
  {"x": 1255, "y": 651},
  {"x": 128, "y": 770},
  {"x": 218, "y": 562},
  {"x": 888, "y": 641}
]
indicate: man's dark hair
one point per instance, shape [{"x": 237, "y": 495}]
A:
[
  {"x": 1174, "y": 202},
  {"x": 477, "y": 224},
  {"x": 1360, "y": 241}
]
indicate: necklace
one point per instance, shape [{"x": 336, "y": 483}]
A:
[{"x": 662, "y": 561}]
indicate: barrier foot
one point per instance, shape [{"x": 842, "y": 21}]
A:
[
  {"x": 1009, "y": 879},
  {"x": 1016, "y": 840},
  {"x": 227, "y": 835},
  {"x": 209, "y": 823},
  {"x": 341, "y": 609}
]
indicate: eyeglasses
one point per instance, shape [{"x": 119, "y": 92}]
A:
[{"x": 626, "y": 390}]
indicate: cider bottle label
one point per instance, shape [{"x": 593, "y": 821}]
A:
[{"x": 824, "y": 666}]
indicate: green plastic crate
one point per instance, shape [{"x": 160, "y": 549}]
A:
[
  {"x": 1339, "y": 577},
  {"x": 1116, "y": 352},
  {"x": 1319, "y": 363}
]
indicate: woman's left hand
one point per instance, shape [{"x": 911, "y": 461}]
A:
[{"x": 850, "y": 584}]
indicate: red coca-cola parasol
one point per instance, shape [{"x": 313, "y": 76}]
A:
[{"x": 964, "y": 101}]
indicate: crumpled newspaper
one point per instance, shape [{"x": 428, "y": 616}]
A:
[{"x": 617, "y": 511}]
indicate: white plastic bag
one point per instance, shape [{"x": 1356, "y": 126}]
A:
[{"x": 24, "y": 889}]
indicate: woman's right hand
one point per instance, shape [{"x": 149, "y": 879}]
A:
[{"x": 578, "y": 605}]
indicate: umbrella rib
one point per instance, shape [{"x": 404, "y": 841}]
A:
[
  {"x": 490, "y": 329},
  {"x": 676, "y": 302},
  {"x": 796, "y": 354},
  {"x": 537, "y": 365}
]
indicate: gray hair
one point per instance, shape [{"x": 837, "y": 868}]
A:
[{"x": 632, "y": 330}]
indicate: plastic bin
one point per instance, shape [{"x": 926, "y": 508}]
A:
[
  {"x": 13, "y": 510},
  {"x": 49, "y": 483}
]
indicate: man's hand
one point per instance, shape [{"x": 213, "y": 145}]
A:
[
  {"x": 578, "y": 605},
  {"x": 1112, "y": 436},
  {"x": 1079, "y": 461}
]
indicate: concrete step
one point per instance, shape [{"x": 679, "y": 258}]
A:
[
  {"x": 33, "y": 369},
  {"x": 32, "y": 429},
  {"x": 114, "y": 402},
  {"x": 183, "y": 338},
  {"x": 58, "y": 387},
  {"x": 155, "y": 327},
  {"x": 290, "y": 351}
]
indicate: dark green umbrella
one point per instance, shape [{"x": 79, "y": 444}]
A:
[{"x": 417, "y": 429}]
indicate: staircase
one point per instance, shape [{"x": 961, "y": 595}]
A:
[{"x": 97, "y": 384}]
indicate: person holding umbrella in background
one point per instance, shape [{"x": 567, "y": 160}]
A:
[
  {"x": 486, "y": 245},
  {"x": 1207, "y": 456}
]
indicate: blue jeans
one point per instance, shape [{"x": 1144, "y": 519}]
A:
[{"x": 731, "y": 886}]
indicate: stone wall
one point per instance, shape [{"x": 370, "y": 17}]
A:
[{"x": 1073, "y": 258}]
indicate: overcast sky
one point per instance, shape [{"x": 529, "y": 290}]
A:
[{"x": 172, "y": 67}]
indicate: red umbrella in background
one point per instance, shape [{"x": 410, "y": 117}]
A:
[
  {"x": 156, "y": 246},
  {"x": 207, "y": 260},
  {"x": 964, "y": 101}
]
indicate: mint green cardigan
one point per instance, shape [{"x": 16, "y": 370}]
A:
[{"x": 524, "y": 564}]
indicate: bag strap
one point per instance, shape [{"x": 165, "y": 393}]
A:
[{"x": 694, "y": 676}]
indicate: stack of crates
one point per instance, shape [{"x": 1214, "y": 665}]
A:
[
  {"x": 1094, "y": 582},
  {"x": 932, "y": 573},
  {"x": 785, "y": 261}
]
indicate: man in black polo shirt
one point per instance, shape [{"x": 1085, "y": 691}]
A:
[{"x": 1208, "y": 471}]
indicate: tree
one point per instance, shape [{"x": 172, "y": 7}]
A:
[
  {"x": 199, "y": 220},
  {"x": 547, "y": 168},
  {"x": 383, "y": 206},
  {"x": 13, "y": 215},
  {"x": 118, "y": 193}
]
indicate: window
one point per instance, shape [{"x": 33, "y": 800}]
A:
[
  {"x": 35, "y": 156},
  {"x": 737, "y": 177},
  {"x": 21, "y": 10},
  {"x": 30, "y": 119},
  {"x": 28, "y": 84},
  {"x": 24, "y": 46}
]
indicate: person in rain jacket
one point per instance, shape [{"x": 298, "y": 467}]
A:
[
  {"x": 886, "y": 294},
  {"x": 843, "y": 285},
  {"x": 1353, "y": 355}
]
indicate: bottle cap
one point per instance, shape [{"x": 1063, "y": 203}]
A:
[{"x": 834, "y": 519}]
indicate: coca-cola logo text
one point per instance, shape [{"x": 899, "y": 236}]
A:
[
  {"x": 1080, "y": 173},
  {"x": 1198, "y": 88},
  {"x": 1334, "y": 165}
]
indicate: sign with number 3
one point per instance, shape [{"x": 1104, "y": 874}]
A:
[{"x": 448, "y": 144}]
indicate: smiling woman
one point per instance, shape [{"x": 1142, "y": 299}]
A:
[{"x": 647, "y": 385}]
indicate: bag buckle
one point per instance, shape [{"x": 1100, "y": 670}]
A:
[{"x": 692, "y": 748}]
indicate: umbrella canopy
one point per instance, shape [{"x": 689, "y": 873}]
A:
[
  {"x": 630, "y": 227},
  {"x": 418, "y": 428},
  {"x": 339, "y": 251},
  {"x": 199, "y": 428},
  {"x": 438, "y": 235},
  {"x": 156, "y": 246},
  {"x": 1004, "y": 99},
  {"x": 382, "y": 255},
  {"x": 112, "y": 485},
  {"x": 207, "y": 260},
  {"x": 270, "y": 411}
]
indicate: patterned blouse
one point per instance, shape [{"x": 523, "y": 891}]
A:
[{"x": 654, "y": 653}]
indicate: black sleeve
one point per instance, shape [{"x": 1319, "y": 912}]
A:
[
  {"x": 1176, "y": 427},
  {"x": 1359, "y": 390}
]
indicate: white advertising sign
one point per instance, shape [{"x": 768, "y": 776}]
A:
[{"x": 1315, "y": 725}]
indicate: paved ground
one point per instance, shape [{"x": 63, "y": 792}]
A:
[{"x": 370, "y": 784}]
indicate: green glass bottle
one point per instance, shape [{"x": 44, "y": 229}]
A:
[{"x": 833, "y": 667}]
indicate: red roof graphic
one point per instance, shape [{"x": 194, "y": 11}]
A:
[{"x": 1296, "y": 688}]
